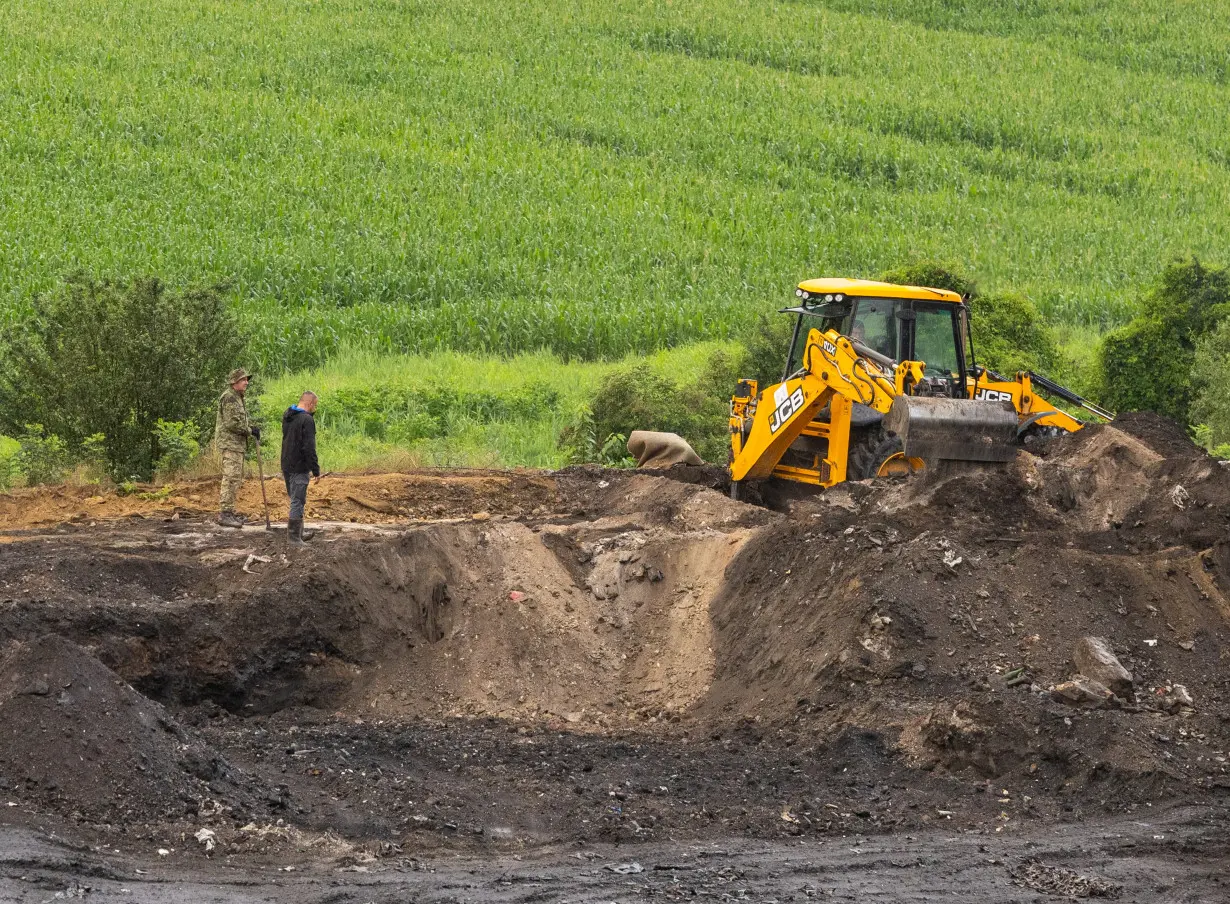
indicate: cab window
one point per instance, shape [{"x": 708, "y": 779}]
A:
[
  {"x": 875, "y": 326},
  {"x": 935, "y": 338}
]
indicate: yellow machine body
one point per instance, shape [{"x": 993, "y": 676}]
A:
[{"x": 829, "y": 419}]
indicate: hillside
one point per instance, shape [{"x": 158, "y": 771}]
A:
[{"x": 603, "y": 178}]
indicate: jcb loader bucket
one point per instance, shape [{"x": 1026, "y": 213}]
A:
[{"x": 960, "y": 429}]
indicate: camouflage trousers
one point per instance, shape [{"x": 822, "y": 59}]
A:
[{"x": 232, "y": 478}]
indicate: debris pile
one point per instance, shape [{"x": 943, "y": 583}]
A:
[{"x": 77, "y": 738}]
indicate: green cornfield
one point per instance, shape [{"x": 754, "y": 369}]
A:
[{"x": 597, "y": 178}]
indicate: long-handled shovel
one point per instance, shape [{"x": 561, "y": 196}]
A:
[{"x": 260, "y": 469}]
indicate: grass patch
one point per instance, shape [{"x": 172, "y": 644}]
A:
[{"x": 452, "y": 409}]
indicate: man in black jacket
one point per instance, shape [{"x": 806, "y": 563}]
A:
[{"x": 299, "y": 460}]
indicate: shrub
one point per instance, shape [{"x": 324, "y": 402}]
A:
[
  {"x": 8, "y": 462},
  {"x": 1210, "y": 406},
  {"x": 1203, "y": 436},
  {"x": 1147, "y": 365},
  {"x": 1009, "y": 331},
  {"x": 1145, "y": 368},
  {"x": 43, "y": 457},
  {"x": 177, "y": 445},
  {"x": 639, "y": 398},
  {"x": 767, "y": 346},
  {"x": 581, "y": 444},
  {"x": 114, "y": 358}
]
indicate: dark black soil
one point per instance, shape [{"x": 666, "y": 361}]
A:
[{"x": 877, "y": 661}]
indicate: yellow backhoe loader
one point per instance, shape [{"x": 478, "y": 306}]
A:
[{"x": 877, "y": 384}]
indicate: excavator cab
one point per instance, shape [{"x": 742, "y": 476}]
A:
[{"x": 892, "y": 330}]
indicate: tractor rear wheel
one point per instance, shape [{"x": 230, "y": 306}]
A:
[{"x": 880, "y": 454}]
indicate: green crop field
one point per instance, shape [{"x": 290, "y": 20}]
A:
[{"x": 599, "y": 178}]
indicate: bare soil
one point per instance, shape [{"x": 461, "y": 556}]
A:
[{"x": 490, "y": 664}]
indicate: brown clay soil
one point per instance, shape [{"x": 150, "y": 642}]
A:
[{"x": 627, "y": 680}]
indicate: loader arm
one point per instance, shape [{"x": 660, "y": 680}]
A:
[
  {"x": 834, "y": 373},
  {"x": 1033, "y": 409}
]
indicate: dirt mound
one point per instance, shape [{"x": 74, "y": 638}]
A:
[
  {"x": 1140, "y": 477},
  {"x": 1165, "y": 436},
  {"x": 911, "y": 606},
  {"x": 929, "y": 618},
  {"x": 77, "y": 738}
]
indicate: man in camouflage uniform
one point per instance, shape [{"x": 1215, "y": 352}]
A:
[{"x": 231, "y": 432}]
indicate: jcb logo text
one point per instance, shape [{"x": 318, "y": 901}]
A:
[{"x": 785, "y": 408}]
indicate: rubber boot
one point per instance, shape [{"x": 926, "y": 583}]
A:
[{"x": 294, "y": 531}]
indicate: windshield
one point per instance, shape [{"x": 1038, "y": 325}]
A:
[
  {"x": 935, "y": 339},
  {"x": 807, "y": 323},
  {"x": 875, "y": 325}
]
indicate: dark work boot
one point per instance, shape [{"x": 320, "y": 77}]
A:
[
  {"x": 294, "y": 531},
  {"x": 230, "y": 519}
]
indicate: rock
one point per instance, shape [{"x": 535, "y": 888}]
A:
[
  {"x": 1082, "y": 691},
  {"x": 1175, "y": 698},
  {"x": 1094, "y": 659},
  {"x": 37, "y": 688},
  {"x": 481, "y": 516}
]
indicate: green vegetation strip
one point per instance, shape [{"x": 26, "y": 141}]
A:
[{"x": 452, "y": 409}]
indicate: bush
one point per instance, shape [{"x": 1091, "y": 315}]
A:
[
  {"x": 8, "y": 462},
  {"x": 43, "y": 457},
  {"x": 1210, "y": 406},
  {"x": 639, "y": 398},
  {"x": 177, "y": 445},
  {"x": 1202, "y": 434},
  {"x": 1009, "y": 331},
  {"x": 114, "y": 358},
  {"x": 1010, "y": 335},
  {"x": 767, "y": 346},
  {"x": 581, "y": 444},
  {"x": 1148, "y": 364},
  {"x": 1145, "y": 368}
]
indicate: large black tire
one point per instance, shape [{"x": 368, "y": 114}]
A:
[{"x": 870, "y": 452}]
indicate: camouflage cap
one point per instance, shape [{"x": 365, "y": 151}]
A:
[{"x": 236, "y": 375}]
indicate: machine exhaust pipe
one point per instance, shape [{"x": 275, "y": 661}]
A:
[{"x": 956, "y": 429}]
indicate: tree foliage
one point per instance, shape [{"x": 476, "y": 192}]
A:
[
  {"x": 767, "y": 346},
  {"x": 1211, "y": 396},
  {"x": 1147, "y": 365},
  {"x": 1009, "y": 331},
  {"x": 114, "y": 358}
]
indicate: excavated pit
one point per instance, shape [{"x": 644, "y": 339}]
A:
[
  {"x": 496, "y": 659},
  {"x": 584, "y": 620}
]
